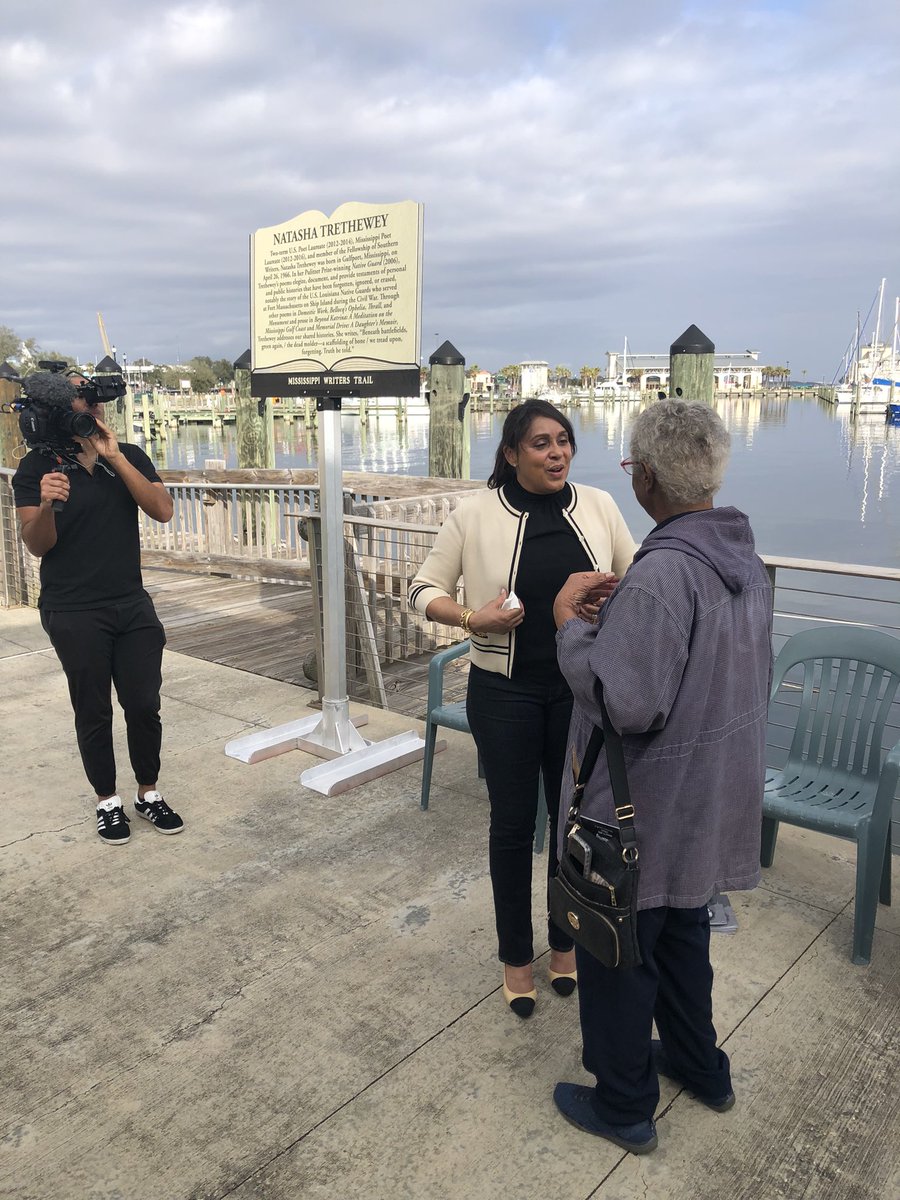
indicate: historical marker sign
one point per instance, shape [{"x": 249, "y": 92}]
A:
[{"x": 336, "y": 303}]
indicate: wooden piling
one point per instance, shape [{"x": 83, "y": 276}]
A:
[
  {"x": 116, "y": 412},
  {"x": 146, "y": 422},
  {"x": 18, "y": 577},
  {"x": 691, "y": 359},
  {"x": 449, "y": 452},
  {"x": 10, "y": 434},
  {"x": 115, "y": 415},
  {"x": 255, "y": 428},
  {"x": 160, "y": 423},
  {"x": 255, "y": 421}
]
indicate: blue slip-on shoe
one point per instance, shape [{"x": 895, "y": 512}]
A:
[
  {"x": 576, "y": 1103},
  {"x": 664, "y": 1067}
]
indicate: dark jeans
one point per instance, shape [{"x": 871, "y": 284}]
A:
[
  {"x": 520, "y": 730},
  {"x": 674, "y": 986},
  {"x": 101, "y": 646}
]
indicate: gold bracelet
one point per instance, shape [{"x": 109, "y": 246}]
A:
[{"x": 464, "y": 618}]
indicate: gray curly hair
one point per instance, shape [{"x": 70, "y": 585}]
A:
[{"x": 686, "y": 446}]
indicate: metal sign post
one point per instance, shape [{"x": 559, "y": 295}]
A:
[
  {"x": 335, "y": 730},
  {"x": 333, "y": 735}
]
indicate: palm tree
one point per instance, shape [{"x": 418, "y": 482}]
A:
[
  {"x": 562, "y": 375},
  {"x": 512, "y": 373}
]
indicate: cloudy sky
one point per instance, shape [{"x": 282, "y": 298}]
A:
[{"x": 590, "y": 169}]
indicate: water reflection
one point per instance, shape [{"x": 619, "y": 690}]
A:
[
  {"x": 872, "y": 451},
  {"x": 816, "y": 481},
  {"x": 391, "y": 445},
  {"x": 743, "y": 415}
]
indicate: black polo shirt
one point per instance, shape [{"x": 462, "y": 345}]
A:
[{"x": 96, "y": 561}]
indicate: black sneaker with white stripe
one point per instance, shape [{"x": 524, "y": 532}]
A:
[
  {"x": 112, "y": 823},
  {"x": 155, "y": 810}
]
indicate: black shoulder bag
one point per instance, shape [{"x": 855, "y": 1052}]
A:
[{"x": 593, "y": 896}]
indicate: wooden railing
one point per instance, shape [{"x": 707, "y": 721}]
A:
[{"x": 246, "y": 522}]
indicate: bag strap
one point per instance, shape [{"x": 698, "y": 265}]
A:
[{"x": 615, "y": 760}]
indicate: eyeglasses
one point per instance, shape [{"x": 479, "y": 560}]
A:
[{"x": 628, "y": 465}]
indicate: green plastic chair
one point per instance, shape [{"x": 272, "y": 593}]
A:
[
  {"x": 837, "y": 779},
  {"x": 453, "y": 716}
]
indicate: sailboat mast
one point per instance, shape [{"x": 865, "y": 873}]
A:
[
  {"x": 856, "y": 395},
  {"x": 894, "y": 350},
  {"x": 876, "y": 348}
]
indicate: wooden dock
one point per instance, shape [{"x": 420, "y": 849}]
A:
[
  {"x": 262, "y": 627},
  {"x": 266, "y": 628}
]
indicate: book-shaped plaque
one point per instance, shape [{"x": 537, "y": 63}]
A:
[{"x": 336, "y": 302}]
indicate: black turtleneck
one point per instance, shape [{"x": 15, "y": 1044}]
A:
[{"x": 551, "y": 552}]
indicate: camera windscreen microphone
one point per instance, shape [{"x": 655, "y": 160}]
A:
[{"x": 44, "y": 387}]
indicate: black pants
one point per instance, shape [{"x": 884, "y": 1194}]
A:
[
  {"x": 673, "y": 986},
  {"x": 520, "y": 730},
  {"x": 101, "y": 646}
]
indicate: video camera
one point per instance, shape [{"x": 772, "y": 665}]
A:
[
  {"x": 46, "y": 418},
  {"x": 100, "y": 389}
]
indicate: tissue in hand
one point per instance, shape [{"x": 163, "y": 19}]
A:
[{"x": 511, "y": 601}]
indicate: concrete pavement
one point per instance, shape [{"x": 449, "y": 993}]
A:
[{"x": 299, "y": 996}]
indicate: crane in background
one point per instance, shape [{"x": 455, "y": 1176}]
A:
[
  {"x": 110, "y": 350},
  {"x": 107, "y": 348}
]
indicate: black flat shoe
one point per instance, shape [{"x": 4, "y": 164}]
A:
[{"x": 522, "y": 1003}]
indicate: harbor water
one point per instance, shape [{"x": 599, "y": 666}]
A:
[{"x": 816, "y": 482}]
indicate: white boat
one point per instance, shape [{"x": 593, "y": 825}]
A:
[
  {"x": 871, "y": 372},
  {"x": 616, "y": 389},
  {"x": 866, "y": 395},
  {"x": 619, "y": 387}
]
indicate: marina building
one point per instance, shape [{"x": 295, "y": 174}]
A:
[
  {"x": 535, "y": 378},
  {"x": 481, "y": 383},
  {"x": 737, "y": 372}
]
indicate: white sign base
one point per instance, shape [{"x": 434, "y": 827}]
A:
[
  {"x": 335, "y": 733},
  {"x": 267, "y": 743},
  {"x": 361, "y": 766}
]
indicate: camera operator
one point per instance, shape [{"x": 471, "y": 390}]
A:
[{"x": 77, "y": 500}]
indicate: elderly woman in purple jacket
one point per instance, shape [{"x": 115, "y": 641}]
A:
[{"x": 682, "y": 653}]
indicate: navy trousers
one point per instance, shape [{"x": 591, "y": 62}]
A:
[
  {"x": 673, "y": 985},
  {"x": 99, "y": 647}
]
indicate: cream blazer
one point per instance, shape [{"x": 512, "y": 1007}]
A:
[{"x": 481, "y": 541}]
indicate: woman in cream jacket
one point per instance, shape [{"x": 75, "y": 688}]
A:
[{"x": 515, "y": 544}]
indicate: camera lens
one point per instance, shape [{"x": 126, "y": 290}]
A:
[{"x": 83, "y": 425}]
